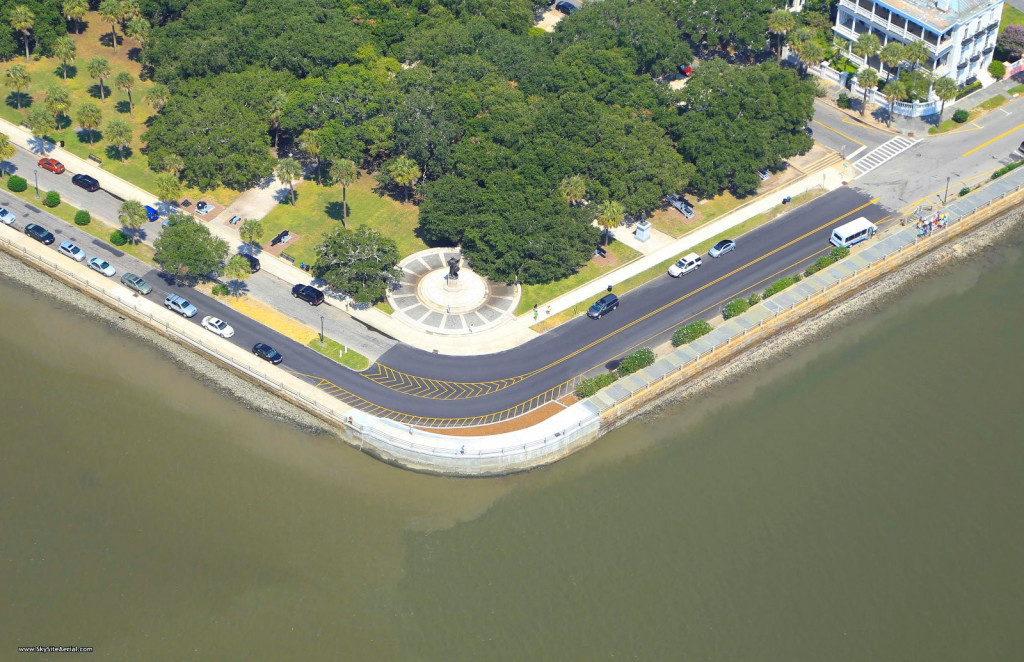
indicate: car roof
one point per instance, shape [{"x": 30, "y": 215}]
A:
[{"x": 691, "y": 256}]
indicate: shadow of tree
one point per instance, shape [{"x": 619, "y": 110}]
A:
[
  {"x": 59, "y": 72},
  {"x": 63, "y": 122},
  {"x": 242, "y": 287},
  {"x": 880, "y": 114},
  {"x": 134, "y": 53},
  {"x": 94, "y": 91},
  {"x": 14, "y": 98},
  {"x": 122, "y": 107},
  {"x": 284, "y": 196},
  {"x": 107, "y": 40},
  {"x": 336, "y": 210},
  {"x": 119, "y": 154},
  {"x": 89, "y": 136}
]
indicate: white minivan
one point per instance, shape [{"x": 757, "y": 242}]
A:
[
  {"x": 686, "y": 264},
  {"x": 853, "y": 232}
]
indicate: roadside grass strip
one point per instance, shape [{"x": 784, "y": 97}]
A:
[{"x": 334, "y": 350}]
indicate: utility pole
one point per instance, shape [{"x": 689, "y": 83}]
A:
[{"x": 946, "y": 193}]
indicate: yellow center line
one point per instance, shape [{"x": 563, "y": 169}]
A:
[
  {"x": 989, "y": 142},
  {"x": 839, "y": 132}
]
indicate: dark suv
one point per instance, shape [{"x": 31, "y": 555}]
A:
[
  {"x": 85, "y": 181},
  {"x": 254, "y": 264},
  {"x": 39, "y": 233},
  {"x": 605, "y": 304},
  {"x": 309, "y": 294}
]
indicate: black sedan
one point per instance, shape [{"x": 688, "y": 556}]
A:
[
  {"x": 267, "y": 353},
  {"x": 85, "y": 181},
  {"x": 39, "y": 233}
]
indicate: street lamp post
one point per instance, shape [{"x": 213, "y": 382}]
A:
[
  {"x": 37, "y": 183},
  {"x": 946, "y": 193},
  {"x": 321, "y": 330}
]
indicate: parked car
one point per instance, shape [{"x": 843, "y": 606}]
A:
[
  {"x": 567, "y": 6},
  {"x": 686, "y": 264},
  {"x": 808, "y": 131},
  {"x": 180, "y": 305},
  {"x": 39, "y": 233},
  {"x": 6, "y": 216},
  {"x": 722, "y": 247},
  {"x": 133, "y": 282},
  {"x": 254, "y": 263},
  {"x": 763, "y": 174},
  {"x": 85, "y": 181},
  {"x": 71, "y": 250},
  {"x": 218, "y": 326},
  {"x": 267, "y": 353},
  {"x": 605, "y": 304},
  {"x": 53, "y": 165},
  {"x": 309, "y": 294},
  {"x": 102, "y": 266},
  {"x": 151, "y": 213}
]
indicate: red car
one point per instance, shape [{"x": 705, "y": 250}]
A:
[{"x": 53, "y": 165}]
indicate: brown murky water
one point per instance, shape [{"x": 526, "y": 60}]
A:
[{"x": 861, "y": 500}]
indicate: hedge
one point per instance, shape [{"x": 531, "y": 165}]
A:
[
  {"x": 118, "y": 238},
  {"x": 754, "y": 298},
  {"x": 16, "y": 183},
  {"x": 639, "y": 359},
  {"x": 82, "y": 217},
  {"x": 976, "y": 85},
  {"x": 1007, "y": 168},
  {"x": 777, "y": 286},
  {"x": 690, "y": 332},
  {"x": 52, "y": 199},
  {"x": 735, "y": 307},
  {"x": 591, "y": 385},
  {"x": 820, "y": 264},
  {"x": 839, "y": 252}
]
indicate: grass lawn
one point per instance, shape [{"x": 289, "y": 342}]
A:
[
  {"x": 973, "y": 114},
  {"x": 1016, "y": 89},
  {"x": 318, "y": 210},
  {"x": 46, "y": 72},
  {"x": 1011, "y": 16},
  {"x": 618, "y": 255},
  {"x": 674, "y": 224},
  {"x": 333, "y": 350},
  {"x": 657, "y": 270},
  {"x": 96, "y": 228}
]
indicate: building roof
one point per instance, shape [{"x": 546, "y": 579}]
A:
[{"x": 927, "y": 11}]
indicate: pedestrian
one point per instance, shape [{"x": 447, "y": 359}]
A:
[
  {"x": 448, "y": 309},
  {"x": 547, "y": 311},
  {"x": 535, "y": 313},
  {"x": 471, "y": 327}
]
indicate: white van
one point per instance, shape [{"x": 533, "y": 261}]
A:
[
  {"x": 853, "y": 232},
  {"x": 686, "y": 264}
]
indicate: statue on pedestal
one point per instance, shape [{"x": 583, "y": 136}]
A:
[{"x": 453, "y": 268}]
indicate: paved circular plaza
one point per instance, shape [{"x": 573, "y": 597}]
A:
[{"x": 428, "y": 299}]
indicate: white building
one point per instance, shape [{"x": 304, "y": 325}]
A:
[{"x": 960, "y": 34}]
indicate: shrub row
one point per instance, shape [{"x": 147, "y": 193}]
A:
[
  {"x": 735, "y": 307},
  {"x": 1007, "y": 168},
  {"x": 639, "y": 359},
  {"x": 778, "y": 286},
  {"x": 836, "y": 254},
  {"x": 592, "y": 385},
  {"x": 976, "y": 85},
  {"x": 690, "y": 332}
]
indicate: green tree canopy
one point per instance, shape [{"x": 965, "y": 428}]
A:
[
  {"x": 188, "y": 252},
  {"x": 360, "y": 263}
]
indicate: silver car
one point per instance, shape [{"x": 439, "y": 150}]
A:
[
  {"x": 133, "y": 282},
  {"x": 102, "y": 266},
  {"x": 71, "y": 250},
  {"x": 6, "y": 216}
]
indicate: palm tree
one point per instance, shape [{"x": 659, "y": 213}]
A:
[
  {"x": 891, "y": 55},
  {"x": 40, "y": 122},
  {"x": 7, "y": 151},
  {"x": 309, "y": 142},
  {"x": 609, "y": 215},
  {"x": 342, "y": 172},
  {"x": 157, "y": 96},
  {"x": 946, "y": 89},
  {"x": 23, "y": 20},
  {"x": 112, "y": 11},
  {"x": 916, "y": 53},
  {"x": 74, "y": 11},
  {"x": 237, "y": 269},
  {"x": 119, "y": 134},
  {"x": 895, "y": 90},
  {"x": 574, "y": 189},
  {"x": 137, "y": 30},
  {"x": 810, "y": 52},
  {"x": 173, "y": 164},
  {"x": 99, "y": 68},
  {"x": 405, "y": 172},
  {"x": 251, "y": 231},
  {"x": 168, "y": 187},
  {"x": 89, "y": 118},
  {"x": 57, "y": 101},
  {"x": 868, "y": 79},
  {"x": 64, "y": 50},
  {"x": 18, "y": 79},
  {"x": 289, "y": 170},
  {"x": 276, "y": 106},
  {"x": 125, "y": 82},
  {"x": 867, "y": 46},
  {"x": 780, "y": 22},
  {"x": 132, "y": 216}
]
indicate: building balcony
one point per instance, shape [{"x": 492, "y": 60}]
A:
[
  {"x": 975, "y": 57},
  {"x": 962, "y": 65},
  {"x": 988, "y": 50}
]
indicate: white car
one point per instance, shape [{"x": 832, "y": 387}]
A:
[
  {"x": 102, "y": 266},
  {"x": 6, "y": 216},
  {"x": 218, "y": 326},
  {"x": 686, "y": 264},
  {"x": 71, "y": 250}
]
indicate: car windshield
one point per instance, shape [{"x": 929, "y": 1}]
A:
[
  {"x": 220, "y": 324},
  {"x": 184, "y": 304},
  {"x": 722, "y": 244}
]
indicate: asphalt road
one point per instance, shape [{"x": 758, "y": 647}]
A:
[{"x": 837, "y": 131}]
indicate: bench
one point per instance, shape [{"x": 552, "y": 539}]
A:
[
  {"x": 93, "y": 157},
  {"x": 288, "y": 257},
  {"x": 281, "y": 237},
  {"x": 600, "y": 252}
]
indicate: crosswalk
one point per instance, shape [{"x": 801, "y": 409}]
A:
[{"x": 884, "y": 152}]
